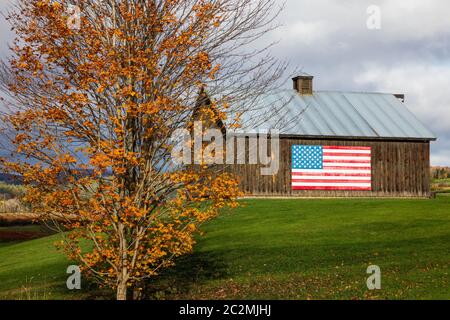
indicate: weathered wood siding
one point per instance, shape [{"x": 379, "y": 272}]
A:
[{"x": 399, "y": 169}]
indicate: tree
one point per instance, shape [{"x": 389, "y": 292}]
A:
[{"x": 91, "y": 112}]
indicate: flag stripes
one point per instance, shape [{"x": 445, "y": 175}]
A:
[{"x": 331, "y": 168}]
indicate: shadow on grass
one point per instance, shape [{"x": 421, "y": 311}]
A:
[{"x": 188, "y": 272}]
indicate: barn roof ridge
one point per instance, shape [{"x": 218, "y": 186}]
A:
[{"x": 334, "y": 91}]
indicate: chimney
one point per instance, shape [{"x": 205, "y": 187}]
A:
[
  {"x": 303, "y": 84},
  {"x": 400, "y": 96}
]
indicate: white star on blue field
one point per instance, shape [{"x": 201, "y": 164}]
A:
[{"x": 307, "y": 157}]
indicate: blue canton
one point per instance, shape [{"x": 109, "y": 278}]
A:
[{"x": 307, "y": 157}]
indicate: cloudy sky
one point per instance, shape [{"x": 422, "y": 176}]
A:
[{"x": 409, "y": 54}]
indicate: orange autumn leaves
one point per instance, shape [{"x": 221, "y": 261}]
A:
[{"x": 93, "y": 113}]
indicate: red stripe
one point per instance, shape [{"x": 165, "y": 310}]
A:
[
  {"x": 346, "y": 161},
  {"x": 333, "y": 188},
  {"x": 346, "y": 148},
  {"x": 337, "y": 154},
  {"x": 332, "y": 174},
  {"x": 347, "y": 168},
  {"x": 331, "y": 181}
]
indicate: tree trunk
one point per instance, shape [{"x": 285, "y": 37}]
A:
[
  {"x": 122, "y": 291},
  {"x": 122, "y": 277}
]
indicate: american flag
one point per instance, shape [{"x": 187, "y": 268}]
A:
[{"x": 331, "y": 168}]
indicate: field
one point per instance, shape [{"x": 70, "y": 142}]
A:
[
  {"x": 441, "y": 185},
  {"x": 276, "y": 249}
]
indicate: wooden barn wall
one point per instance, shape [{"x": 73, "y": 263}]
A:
[{"x": 399, "y": 169}]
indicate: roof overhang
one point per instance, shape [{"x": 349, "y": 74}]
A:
[
  {"x": 319, "y": 137},
  {"x": 356, "y": 138}
]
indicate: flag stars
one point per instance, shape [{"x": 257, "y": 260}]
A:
[{"x": 307, "y": 157}]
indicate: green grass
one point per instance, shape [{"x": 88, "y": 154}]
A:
[
  {"x": 299, "y": 249},
  {"x": 441, "y": 180},
  {"x": 282, "y": 249},
  {"x": 35, "y": 269}
]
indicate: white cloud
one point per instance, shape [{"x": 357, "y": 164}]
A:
[
  {"x": 6, "y": 36},
  {"x": 426, "y": 88},
  {"x": 427, "y": 96},
  {"x": 401, "y": 19},
  {"x": 440, "y": 157},
  {"x": 416, "y": 19},
  {"x": 306, "y": 32}
]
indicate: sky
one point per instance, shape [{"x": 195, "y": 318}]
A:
[{"x": 407, "y": 52}]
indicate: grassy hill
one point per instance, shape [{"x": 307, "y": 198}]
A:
[{"x": 280, "y": 249}]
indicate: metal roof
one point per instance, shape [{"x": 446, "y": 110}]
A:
[{"x": 334, "y": 114}]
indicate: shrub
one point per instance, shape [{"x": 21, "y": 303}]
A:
[
  {"x": 12, "y": 206},
  {"x": 10, "y": 191}
]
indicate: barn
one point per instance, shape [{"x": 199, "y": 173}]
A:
[{"x": 341, "y": 144}]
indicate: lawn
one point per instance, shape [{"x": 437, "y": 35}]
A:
[{"x": 280, "y": 249}]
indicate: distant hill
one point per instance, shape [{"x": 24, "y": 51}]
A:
[
  {"x": 17, "y": 180},
  {"x": 10, "y": 178}
]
